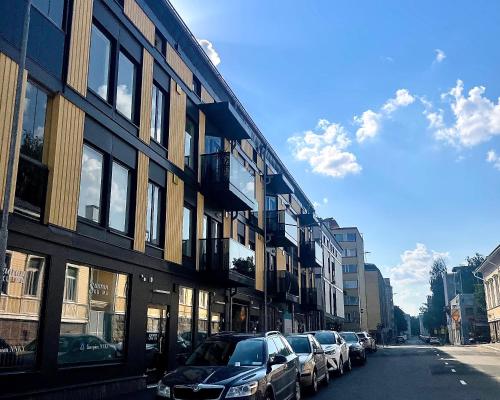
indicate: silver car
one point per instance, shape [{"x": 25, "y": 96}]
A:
[
  {"x": 368, "y": 341},
  {"x": 312, "y": 360}
]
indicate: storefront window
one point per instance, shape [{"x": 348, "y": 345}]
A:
[
  {"x": 94, "y": 314},
  {"x": 20, "y": 305},
  {"x": 185, "y": 323},
  {"x": 215, "y": 323},
  {"x": 202, "y": 316}
]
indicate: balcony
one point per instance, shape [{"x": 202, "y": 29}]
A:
[
  {"x": 283, "y": 286},
  {"x": 229, "y": 124},
  {"x": 309, "y": 298},
  {"x": 278, "y": 184},
  {"x": 281, "y": 229},
  {"x": 311, "y": 254},
  {"x": 308, "y": 219},
  {"x": 226, "y": 181},
  {"x": 227, "y": 263}
]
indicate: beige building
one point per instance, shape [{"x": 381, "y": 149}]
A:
[{"x": 490, "y": 269}]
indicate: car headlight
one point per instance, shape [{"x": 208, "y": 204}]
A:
[
  {"x": 247, "y": 389},
  {"x": 163, "y": 390}
]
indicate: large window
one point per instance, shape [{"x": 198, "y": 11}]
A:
[
  {"x": 20, "y": 306},
  {"x": 100, "y": 55},
  {"x": 52, "y": 9},
  {"x": 93, "y": 322},
  {"x": 350, "y": 252},
  {"x": 153, "y": 214},
  {"x": 125, "y": 87},
  {"x": 90, "y": 184},
  {"x": 158, "y": 118},
  {"x": 351, "y": 300},
  {"x": 350, "y": 284},
  {"x": 350, "y": 268},
  {"x": 119, "y": 198},
  {"x": 189, "y": 136},
  {"x": 185, "y": 323},
  {"x": 187, "y": 232},
  {"x": 35, "y": 110}
]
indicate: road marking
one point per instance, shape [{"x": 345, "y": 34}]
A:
[
  {"x": 446, "y": 363},
  {"x": 463, "y": 382},
  {"x": 453, "y": 370}
]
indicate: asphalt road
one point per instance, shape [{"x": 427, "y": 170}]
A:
[{"x": 421, "y": 372}]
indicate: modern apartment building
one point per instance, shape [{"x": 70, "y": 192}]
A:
[
  {"x": 353, "y": 265},
  {"x": 146, "y": 206},
  {"x": 490, "y": 270}
]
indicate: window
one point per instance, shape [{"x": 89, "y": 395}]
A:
[
  {"x": 212, "y": 144},
  {"x": 70, "y": 284},
  {"x": 89, "y": 206},
  {"x": 350, "y": 253},
  {"x": 351, "y": 300},
  {"x": 100, "y": 54},
  {"x": 93, "y": 328},
  {"x": 125, "y": 87},
  {"x": 351, "y": 237},
  {"x": 185, "y": 323},
  {"x": 350, "y": 284},
  {"x": 119, "y": 199},
  {"x": 202, "y": 315},
  {"x": 21, "y": 299},
  {"x": 241, "y": 232},
  {"x": 187, "y": 232},
  {"x": 197, "y": 86},
  {"x": 189, "y": 143},
  {"x": 153, "y": 215},
  {"x": 350, "y": 268},
  {"x": 160, "y": 42},
  {"x": 52, "y": 9},
  {"x": 35, "y": 110},
  {"x": 157, "y": 114},
  {"x": 339, "y": 237}
]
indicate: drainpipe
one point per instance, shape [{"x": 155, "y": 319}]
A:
[{"x": 4, "y": 229}]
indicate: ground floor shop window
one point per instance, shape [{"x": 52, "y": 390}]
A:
[
  {"x": 215, "y": 323},
  {"x": 93, "y": 319},
  {"x": 185, "y": 322},
  {"x": 240, "y": 318},
  {"x": 202, "y": 316},
  {"x": 20, "y": 305},
  {"x": 156, "y": 345}
]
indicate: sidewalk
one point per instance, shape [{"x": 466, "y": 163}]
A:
[{"x": 491, "y": 346}]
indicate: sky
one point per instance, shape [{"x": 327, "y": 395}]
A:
[{"x": 386, "y": 113}]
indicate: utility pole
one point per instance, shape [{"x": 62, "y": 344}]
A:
[{"x": 4, "y": 233}]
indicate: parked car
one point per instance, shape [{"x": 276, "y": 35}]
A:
[
  {"x": 434, "y": 340},
  {"x": 357, "y": 352},
  {"x": 312, "y": 360},
  {"x": 234, "y": 366},
  {"x": 368, "y": 341},
  {"x": 336, "y": 350}
]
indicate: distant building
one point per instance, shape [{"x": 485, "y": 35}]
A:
[
  {"x": 423, "y": 329},
  {"x": 378, "y": 303},
  {"x": 391, "y": 327}
]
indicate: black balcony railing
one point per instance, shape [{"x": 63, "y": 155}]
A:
[
  {"x": 31, "y": 187},
  {"x": 227, "y": 262},
  {"x": 309, "y": 297},
  {"x": 311, "y": 254},
  {"x": 282, "y": 229},
  {"x": 283, "y": 286},
  {"x": 227, "y": 181}
]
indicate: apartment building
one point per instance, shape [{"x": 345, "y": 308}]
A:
[
  {"x": 146, "y": 206},
  {"x": 391, "y": 327},
  {"x": 490, "y": 270}
]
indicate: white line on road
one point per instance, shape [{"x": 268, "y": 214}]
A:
[
  {"x": 463, "y": 382},
  {"x": 446, "y": 363},
  {"x": 453, "y": 370}
]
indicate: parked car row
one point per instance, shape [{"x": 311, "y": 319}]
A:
[{"x": 266, "y": 366}]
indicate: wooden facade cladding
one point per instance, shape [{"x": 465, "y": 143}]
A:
[
  {"x": 205, "y": 96},
  {"x": 79, "y": 46},
  {"x": 259, "y": 196},
  {"x": 139, "y": 18},
  {"x": 146, "y": 96},
  {"x": 200, "y": 212},
  {"x": 141, "y": 202},
  {"x": 8, "y": 79},
  {"x": 173, "y": 223},
  {"x": 259, "y": 262},
  {"x": 247, "y": 148},
  {"x": 177, "y": 125},
  {"x": 179, "y": 66},
  {"x": 280, "y": 259},
  {"x": 64, "y": 160}
]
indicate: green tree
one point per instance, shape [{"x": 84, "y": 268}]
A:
[
  {"x": 400, "y": 320},
  {"x": 415, "y": 325},
  {"x": 434, "y": 312}
]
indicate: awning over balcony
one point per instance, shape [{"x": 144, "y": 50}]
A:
[
  {"x": 226, "y": 119},
  {"x": 308, "y": 219},
  {"x": 278, "y": 184}
]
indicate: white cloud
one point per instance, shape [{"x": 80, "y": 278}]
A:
[
  {"x": 476, "y": 118},
  {"x": 325, "y": 149},
  {"x": 370, "y": 122},
  {"x": 440, "y": 55},
  {"x": 493, "y": 158},
  {"x": 410, "y": 278},
  {"x": 209, "y": 49}
]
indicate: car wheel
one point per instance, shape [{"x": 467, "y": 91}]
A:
[
  {"x": 269, "y": 395},
  {"x": 349, "y": 364},
  {"x": 314, "y": 383},
  {"x": 297, "y": 389},
  {"x": 340, "y": 370},
  {"x": 363, "y": 360},
  {"x": 326, "y": 379}
]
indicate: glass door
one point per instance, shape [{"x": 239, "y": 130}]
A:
[{"x": 156, "y": 342}]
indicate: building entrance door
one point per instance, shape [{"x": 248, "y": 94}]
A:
[{"x": 156, "y": 342}]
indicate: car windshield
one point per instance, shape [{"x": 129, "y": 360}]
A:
[
  {"x": 225, "y": 352},
  {"x": 299, "y": 344},
  {"x": 349, "y": 337},
  {"x": 361, "y": 335},
  {"x": 325, "y": 337}
]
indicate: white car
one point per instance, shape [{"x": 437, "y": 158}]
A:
[{"x": 336, "y": 351}]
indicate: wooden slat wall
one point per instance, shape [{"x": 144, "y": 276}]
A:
[
  {"x": 226, "y": 224},
  {"x": 259, "y": 262},
  {"x": 173, "y": 223},
  {"x": 64, "y": 159},
  {"x": 179, "y": 66},
  {"x": 146, "y": 96},
  {"x": 140, "y": 19},
  {"x": 141, "y": 202},
  {"x": 201, "y": 141},
  {"x": 8, "y": 80},
  {"x": 177, "y": 125},
  {"x": 200, "y": 212},
  {"x": 259, "y": 196},
  {"x": 205, "y": 96},
  {"x": 78, "y": 62},
  {"x": 247, "y": 148},
  {"x": 280, "y": 259}
]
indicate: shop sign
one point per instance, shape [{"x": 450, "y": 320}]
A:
[{"x": 14, "y": 275}]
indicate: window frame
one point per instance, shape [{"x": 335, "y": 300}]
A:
[
  {"x": 112, "y": 67},
  {"x": 160, "y": 215},
  {"x": 191, "y": 231},
  {"x": 38, "y": 280},
  {"x": 122, "y": 51},
  {"x": 164, "y": 116},
  {"x": 102, "y": 193},
  {"x": 129, "y": 216}
]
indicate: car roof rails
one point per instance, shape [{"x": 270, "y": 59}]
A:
[{"x": 273, "y": 333}]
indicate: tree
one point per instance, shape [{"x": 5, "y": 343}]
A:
[
  {"x": 434, "y": 312},
  {"x": 415, "y": 325},
  {"x": 400, "y": 320}
]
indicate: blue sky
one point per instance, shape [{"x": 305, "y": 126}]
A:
[{"x": 386, "y": 113}]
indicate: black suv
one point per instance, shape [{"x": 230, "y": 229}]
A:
[{"x": 236, "y": 366}]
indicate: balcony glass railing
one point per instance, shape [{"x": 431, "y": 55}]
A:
[
  {"x": 283, "y": 227},
  {"x": 318, "y": 252},
  {"x": 239, "y": 177}
]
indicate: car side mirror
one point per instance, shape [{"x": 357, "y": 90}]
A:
[
  {"x": 277, "y": 359},
  {"x": 319, "y": 351}
]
